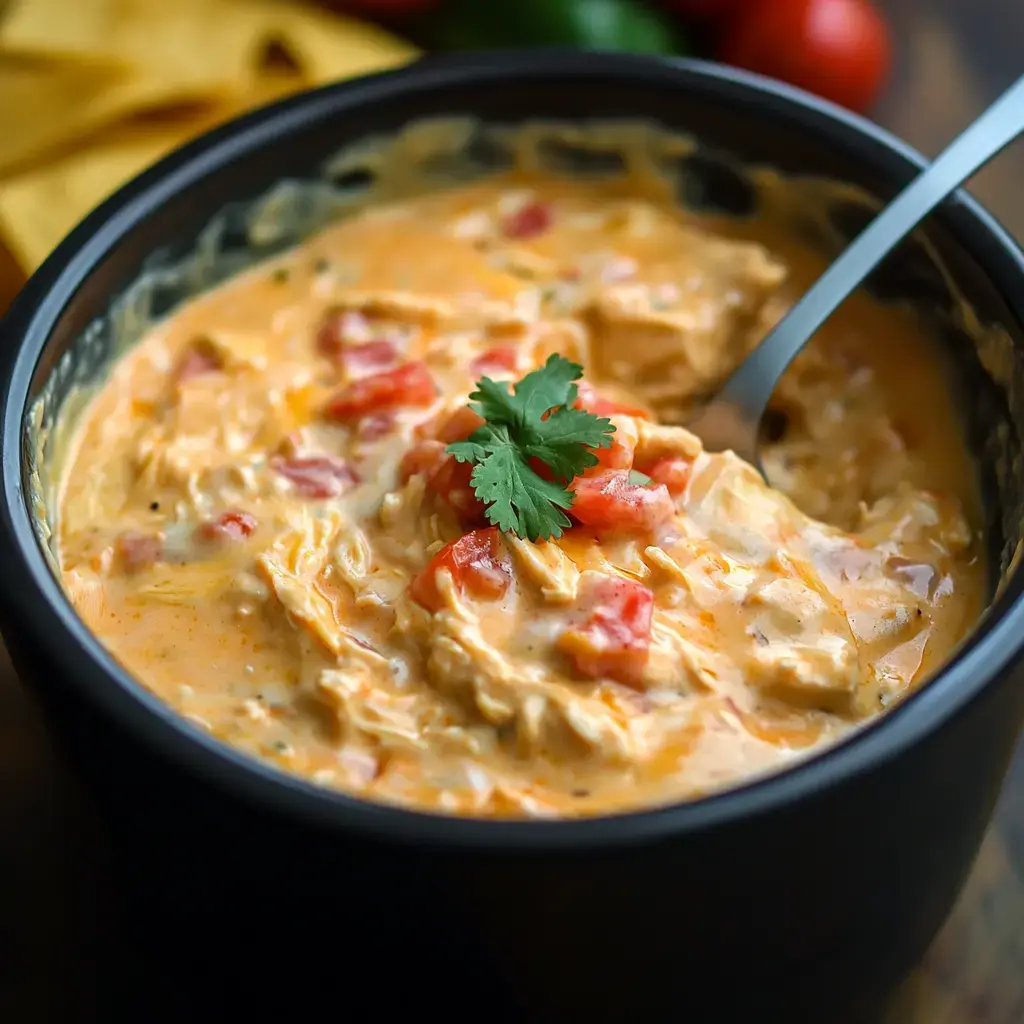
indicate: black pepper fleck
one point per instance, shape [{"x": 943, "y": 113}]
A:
[
  {"x": 154, "y": 506},
  {"x": 322, "y": 265},
  {"x": 281, "y": 274},
  {"x": 581, "y": 792}
]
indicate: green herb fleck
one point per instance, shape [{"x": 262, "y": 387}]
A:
[{"x": 535, "y": 419}]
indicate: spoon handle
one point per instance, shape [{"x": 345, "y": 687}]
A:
[{"x": 985, "y": 138}]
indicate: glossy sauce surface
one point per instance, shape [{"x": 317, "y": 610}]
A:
[{"x": 259, "y": 519}]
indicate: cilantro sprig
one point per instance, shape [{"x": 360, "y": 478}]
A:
[{"x": 534, "y": 419}]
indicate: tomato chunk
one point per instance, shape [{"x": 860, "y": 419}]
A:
[
  {"x": 613, "y": 641},
  {"x": 406, "y": 385},
  {"x": 138, "y": 551},
  {"x": 528, "y": 221},
  {"x": 369, "y": 358},
  {"x": 450, "y": 481},
  {"x": 478, "y": 565},
  {"x": 611, "y": 502},
  {"x": 376, "y": 425},
  {"x": 315, "y": 476},
  {"x": 500, "y": 359},
  {"x": 233, "y": 525},
  {"x": 459, "y": 425},
  {"x": 590, "y": 399},
  {"x": 341, "y": 329},
  {"x": 674, "y": 473},
  {"x": 422, "y": 457},
  {"x": 619, "y": 455},
  {"x": 196, "y": 362}
]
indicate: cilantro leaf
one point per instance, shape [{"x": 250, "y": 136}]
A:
[
  {"x": 517, "y": 499},
  {"x": 565, "y": 438},
  {"x": 535, "y": 419},
  {"x": 550, "y": 386},
  {"x": 493, "y": 400}
]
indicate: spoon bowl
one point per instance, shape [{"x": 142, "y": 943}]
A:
[{"x": 732, "y": 419}]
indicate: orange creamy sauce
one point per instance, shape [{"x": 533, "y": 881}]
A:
[{"x": 258, "y": 509}]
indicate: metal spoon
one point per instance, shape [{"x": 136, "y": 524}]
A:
[{"x": 733, "y": 417}]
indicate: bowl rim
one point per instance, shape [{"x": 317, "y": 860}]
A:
[{"x": 34, "y": 605}]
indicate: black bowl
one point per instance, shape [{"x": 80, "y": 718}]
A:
[{"x": 797, "y": 897}]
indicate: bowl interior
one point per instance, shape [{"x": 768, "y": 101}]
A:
[{"x": 261, "y": 186}]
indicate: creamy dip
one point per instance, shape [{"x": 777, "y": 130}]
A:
[{"x": 260, "y": 521}]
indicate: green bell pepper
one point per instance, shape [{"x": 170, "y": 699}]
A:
[{"x": 587, "y": 24}]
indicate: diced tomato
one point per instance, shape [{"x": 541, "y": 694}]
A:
[
  {"x": 459, "y": 425},
  {"x": 341, "y": 329},
  {"x": 611, "y": 502},
  {"x": 349, "y": 338},
  {"x": 501, "y": 359},
  {"x": 406, "y": 385},
  {"x": 528, "y": 221},
  {"x": 614, "y": 640},
  {"x": 619, "y": 455},
  {"x": 450, "y": 481},
  {"x": 674, "y": 473},
  {"x": 422, "y": 457},
  {"x": 197, "y": 361},
  {"x": 478, "y": 564},
  {"x": 315, "y": 476},
  {"x": 376, "y": 425},
  {"x": 590, "y": 399},
  {"x": 541, "y": 468},
  {"x": 233, "y": 525},
  {"x": 138, "y": 550},
  {"x": 369, "y": 358},
  {"x": 449, "y": 426},
  {"x": 447, "y": 478}
]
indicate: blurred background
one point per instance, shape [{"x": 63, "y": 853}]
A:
[{"x": 93, "y": 91}]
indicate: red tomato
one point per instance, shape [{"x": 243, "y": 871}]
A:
[
  {"x": 478, "y": 564},
  {"x": 369, "y": 358},
  {"x": 376, "y": 425},
  {"x": 501, "y": 359},
  {"x": 447, "y": 478},
  {"x": 406, "y": 385},
  {"x": 233, "y": 525},
  {"x": 614, "y": 641},
  {"x": 196, "y": 362},
  {"x": 450, "y": 481},
  {"x": 422, "y": 457},
  {"x": 619, "y": 455},
  {"x": 590, "y": 399},
  {"x": 528, "y": 221},
  {"x": 611, "y": 502},
  {"x": 138, "y": 550},
  {"x": 458, "y": 425},
  {"x": 338, "y": 330},
  {"x": 673, "y": 473},
  {"x": 315, "y": 476},
  {"x": 839, "y": 49}
]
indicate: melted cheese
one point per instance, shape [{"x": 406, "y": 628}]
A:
[{"x": 297, "y": 638}]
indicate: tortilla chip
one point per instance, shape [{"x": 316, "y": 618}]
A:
[
  {"x": 89, "y": 63},
  {"x": 188, "y": 45},
  {"x": 39, "y": 207},
  {"x": 47, "y": 105}
]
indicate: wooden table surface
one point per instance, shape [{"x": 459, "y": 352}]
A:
[{"x": 954, "y": 57}]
